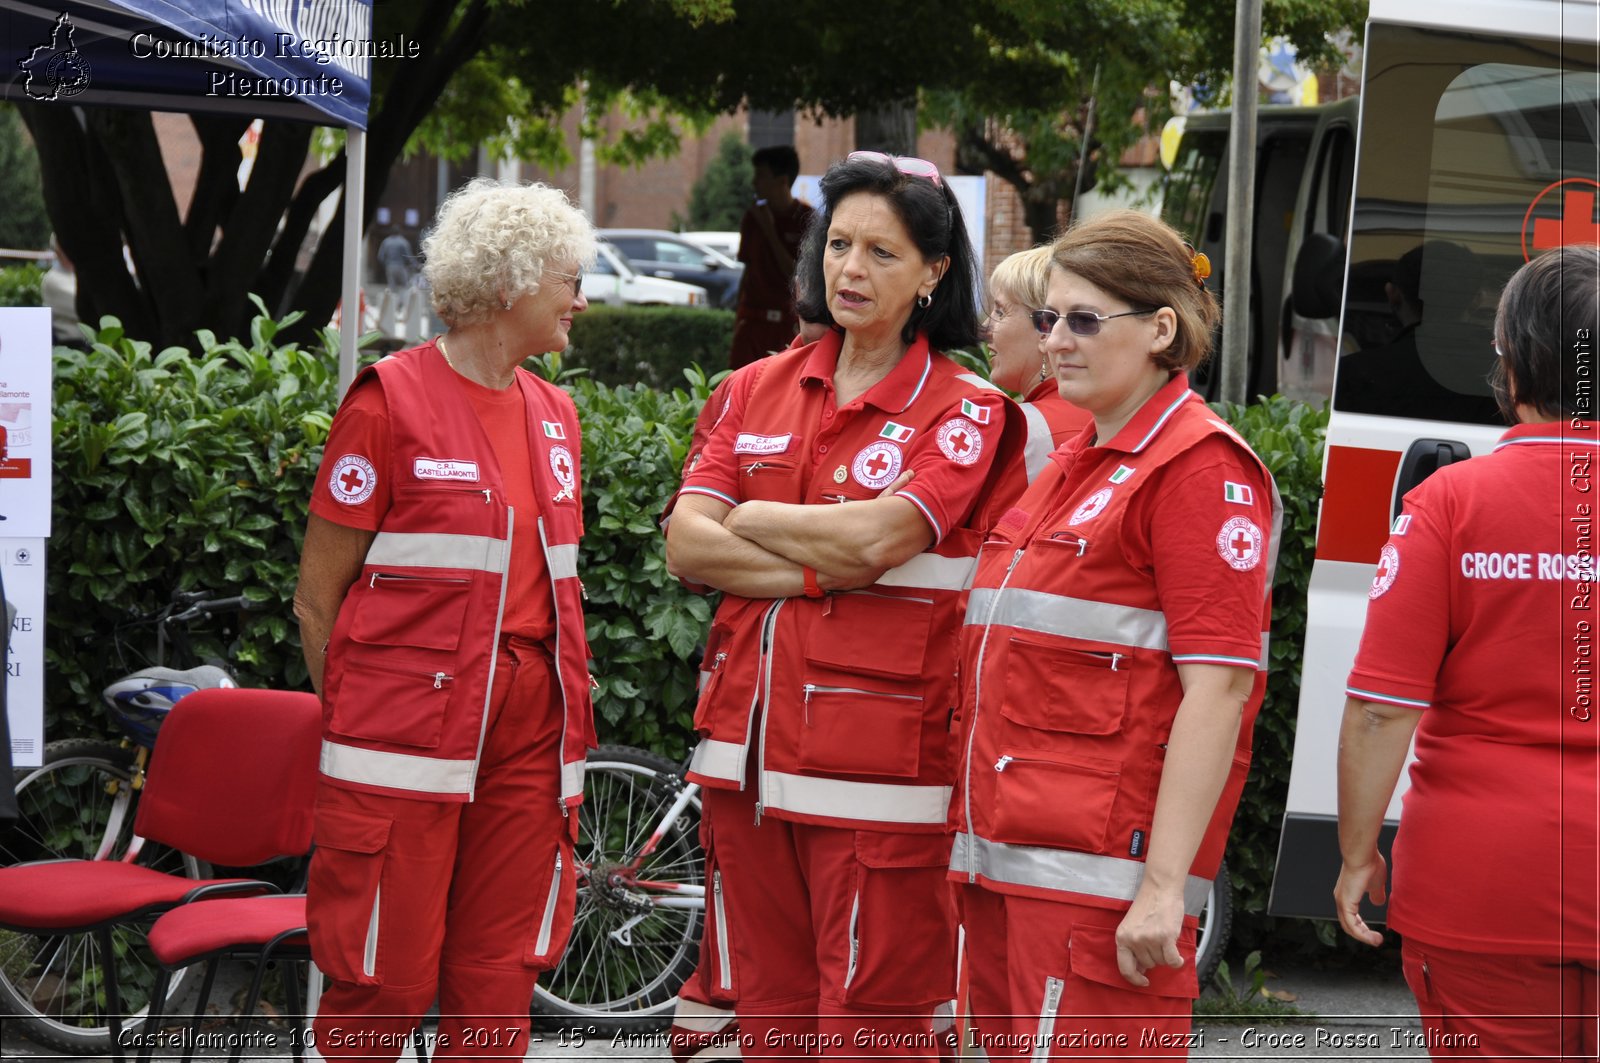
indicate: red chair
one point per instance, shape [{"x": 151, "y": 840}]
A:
[{"x": 231, "y": 781}]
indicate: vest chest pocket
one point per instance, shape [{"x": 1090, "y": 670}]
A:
[
  {"x": 768, "y": 479},
  {"x": 1051, "y": 687},
  {"x": 395, "y": 609},
  {"x": 866, "y": 632}
]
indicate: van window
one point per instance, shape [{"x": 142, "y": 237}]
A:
[
  {"x": 1188, "y": 196},
  {"x": 1477, "y": 154}
]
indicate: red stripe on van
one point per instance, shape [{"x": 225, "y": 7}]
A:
[{"x": 1355, "y": 504}]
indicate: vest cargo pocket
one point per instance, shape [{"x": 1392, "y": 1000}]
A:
[
  {"x": 1050, "y": 687},
  {"x": 396, "y": 702},
  {"x": 552, "y": 924},
  {"x": 853, "y": 731},
  {"x": 1061, "y": 802},
  {"x": 399, "y": 609},
  {"x": 344, "y": 882},
  {"x": 869, "y": 632}
]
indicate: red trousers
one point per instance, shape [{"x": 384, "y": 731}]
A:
[
  {"x": 1044, "y": 973},
  {"x": 831, "y": 941},
  {"x": 1487, "y": 1006},
  {"x": 410, "y": 900}
]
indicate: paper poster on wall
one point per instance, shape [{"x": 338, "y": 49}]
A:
[
  {"x": 24, "y": 422},
  {"x": 22, "y": 570}
]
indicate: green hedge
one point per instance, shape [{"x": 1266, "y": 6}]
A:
[
  {"x": 1288, "y": 437},
  {"x": 180, "y": 469},
  {"x": 19, "y": 285},
  {"x": 649, "y": 345}
]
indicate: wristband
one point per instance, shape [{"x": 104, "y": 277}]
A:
[{"x": 809, "y": 574}]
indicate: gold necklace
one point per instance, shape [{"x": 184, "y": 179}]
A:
[{"x": 445, "y": 351}]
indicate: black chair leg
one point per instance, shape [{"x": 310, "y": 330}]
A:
[
  {"x": 297, "y": 1010},
  {"x": 247, "y": 1010},
  {"x": 200, "y": 1008},
  {"x": 420, "y": 1039},
  {"x": 108, "y": 964},
  {"x": 152, "y": 1022}
]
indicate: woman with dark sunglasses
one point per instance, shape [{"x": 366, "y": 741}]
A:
[
  {"x": 1112, "y": 668},
  {"x": 837, "y": 504},
  {"x": 1017, "y": 362}
]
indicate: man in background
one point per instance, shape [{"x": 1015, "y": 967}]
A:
[{"x": 769, "y": 243}]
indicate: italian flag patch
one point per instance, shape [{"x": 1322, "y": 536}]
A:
[
  {"x": 1239, "y": 493},
  {"x": 1122, "y": 473},
  {"x": 553, "y": 430},
  {"x": 897, "y": 432},
  {"x": 974, "y": 411}
]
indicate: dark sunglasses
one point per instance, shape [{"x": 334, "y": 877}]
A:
[
  {"x": 904, "y": 163},
  {"x": 1079, "y": 322}
]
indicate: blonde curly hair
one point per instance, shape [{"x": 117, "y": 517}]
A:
[{"x": 491, "y": 241}]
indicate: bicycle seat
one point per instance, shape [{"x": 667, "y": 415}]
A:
[{"x": 139, "y": 702}]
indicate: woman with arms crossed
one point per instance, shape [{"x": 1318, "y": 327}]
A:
[
  {"x": 828, "y": 689},
  {"x": 440, "y": 613},
  {"x": 1112, "y": 670},
  {"x": 1480, "y": 607}
]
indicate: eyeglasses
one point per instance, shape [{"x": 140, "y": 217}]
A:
[
  {"x": 904, "y": 163},
  {"x": 1079, "y": 322},
  {"x": 575, "y": 278}
]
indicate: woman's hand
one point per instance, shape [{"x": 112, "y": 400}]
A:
[
  {"x": 1148, "y": 935},
  {"x": 1370, "y": 878}
]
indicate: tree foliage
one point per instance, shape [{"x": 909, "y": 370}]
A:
[
  {"x": 23, "y": 223},
  {"x": 718, "y": 200}
]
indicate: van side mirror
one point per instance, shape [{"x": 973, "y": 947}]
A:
[
  {"x": 710, "y": 262},
  {"x": 1318, "y": 276}
]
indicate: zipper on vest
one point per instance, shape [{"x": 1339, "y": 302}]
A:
[
  {"x": 395, "y": 577},
  {"x": 891, "y": 597},
  {"x": 764, "y": 699},
  {"x": 494, "y": 659},
  {"x": 977, "y": 699},
  {"x": 815, "y": 688},
  {"x": 1076, "y": 540},
  {"x": 488, "y": 496}
]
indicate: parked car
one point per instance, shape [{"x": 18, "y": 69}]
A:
[
  {"x": 659, "y": 253},
  {"x": 723, "y": 242},
  {"x": 614, "y": 281}
]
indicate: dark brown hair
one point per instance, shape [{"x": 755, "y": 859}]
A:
[
  {"x": 1144, "y": 262},
  {"x": 1546, "y": 329}
]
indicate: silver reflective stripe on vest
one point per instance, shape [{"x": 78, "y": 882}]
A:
[
  {"x": 398, "y": 771},
  {"x": 1040, "y": 442},
  {"x": 572, "y": 779},
  {"x": 1073, "y": 618},
  {"x": 562, "y": 560},
  {"x": 933, "y": 572},
  {"x": 869, "y": 801},
  {"x": 1062, "y": 869},
  {"x": 438, "y": 550},
  {"x": 719, "y": 760}
]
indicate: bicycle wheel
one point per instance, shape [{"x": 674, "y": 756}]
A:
[
  {"x": 1216, "y": 923},
  {"x": 635, "y": 935},
  {"x": 54, "y": 984}
]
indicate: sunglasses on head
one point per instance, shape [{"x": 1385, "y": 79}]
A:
[
  {"x": 904, "y": 163},
  {"x": 1079, "y": 322}
]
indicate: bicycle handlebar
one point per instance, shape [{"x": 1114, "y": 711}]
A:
[{"x": 214, "y": 605}]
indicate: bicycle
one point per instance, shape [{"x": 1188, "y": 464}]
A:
[
  {"x": 642, "y": 898},
  {"x": 80, "y": 804}
]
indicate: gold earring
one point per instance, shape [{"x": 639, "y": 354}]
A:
[{"x": 1044, "y": 368}]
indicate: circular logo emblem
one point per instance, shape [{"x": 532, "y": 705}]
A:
[
  {"x": 877, "y": 464},
  {"x": 960, "y": 441},
  {"x": 1570, "y": 202},
  {"x": 1092, "y": 506},
  {"x": 1239, "y": 543},
  {"x": 353, "y": 480},
  {"x": 561, "y": 465},
  {"x": 68, "y": 75},
  {"x": 1388, "y": 569}
]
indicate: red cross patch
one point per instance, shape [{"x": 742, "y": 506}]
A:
[
  {"x": 877, "y": 464},
  {"x": 1239, "y": 543},
  {"x": 561, "y": 465},
  {"x": 1388, "y": 569},
  {"x": 960, "y": 440},
  {"x": 352, "y": 480}
]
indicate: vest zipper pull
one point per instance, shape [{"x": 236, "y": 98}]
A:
[
  {"x": 1083, "y": 544},
  {"x": 1014, "y": 559},
  {"x": 1115, "y": 657},
  {"x": 488, "y": 496},
  {"x": 438, "y": 680},
  {"x": 1000, "y": 765}
]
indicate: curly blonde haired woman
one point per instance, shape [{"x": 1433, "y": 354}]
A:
[{"x": 439, "y": 612}]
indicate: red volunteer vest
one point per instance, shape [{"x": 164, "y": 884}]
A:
[
  {"x": 849, "y": 697},
  {"x": 415, "y": 639},
  {"x": 1064, "y": 655}
]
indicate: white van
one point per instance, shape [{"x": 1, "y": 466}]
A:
[{"x": 1478, "y": 148}]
